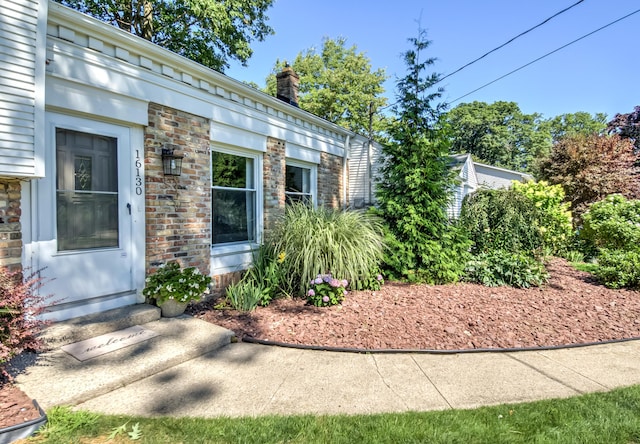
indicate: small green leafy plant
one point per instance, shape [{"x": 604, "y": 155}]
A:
[
  {"x": 180, "y": 284},
  {"x": 498, "y": 268},
  {"x": 326, "y": 290}
]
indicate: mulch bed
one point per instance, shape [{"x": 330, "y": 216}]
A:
[{"x": 572, "y": 308}]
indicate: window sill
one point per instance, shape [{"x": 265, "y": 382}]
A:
[{"x": 229, "y": 249}]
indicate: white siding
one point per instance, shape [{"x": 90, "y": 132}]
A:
[
  {"x": 364, "y": 167},
  {"x": 21, "y": 25}
]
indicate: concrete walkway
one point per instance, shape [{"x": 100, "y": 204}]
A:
[{"x": 242, "y": 379}]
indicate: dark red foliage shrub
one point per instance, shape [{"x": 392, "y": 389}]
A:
[{"x": 20, "y": 305}]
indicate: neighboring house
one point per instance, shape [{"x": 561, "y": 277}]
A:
[
  {"x": 474, "y": 176},
  {"x": 88, "y": 114},
  {"x": 364, "y": 166},
  {"x": 364, "y": 169}
]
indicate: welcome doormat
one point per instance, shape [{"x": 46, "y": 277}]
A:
[{"x": 100, "y": 345}]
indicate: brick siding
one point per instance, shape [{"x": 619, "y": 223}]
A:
[
  {"x": 178, "y": 209},
  {"x": 330, "y": 181},
  {"x": 274, "y": 167}
]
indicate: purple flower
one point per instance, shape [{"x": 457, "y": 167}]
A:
[
  {"x": 334, "y": 283},
  {"x": 311, "y": 293},
  {"x": 327, "y": 278},
  {"x": 344, "y": 293},
  {"x": 379, "y": 277},
  {"x": 325, "y": 298},
  {"x": 344, "y": 283},
  {"x": 318, "y": 280}
]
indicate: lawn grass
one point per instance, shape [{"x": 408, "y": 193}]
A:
[
  {"x": 588, "y": 267},
  {"x": 612, "y": 417}
]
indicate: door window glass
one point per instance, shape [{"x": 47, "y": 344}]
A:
[{"x": 87, "y": 190}]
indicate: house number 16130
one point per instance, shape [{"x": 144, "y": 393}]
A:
[{"x": 138, "y": 165}]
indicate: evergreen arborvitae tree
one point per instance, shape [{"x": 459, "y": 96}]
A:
[{"x": 416, "y": 182}]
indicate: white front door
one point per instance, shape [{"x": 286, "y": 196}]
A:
[{"x": 84, "y": 216}]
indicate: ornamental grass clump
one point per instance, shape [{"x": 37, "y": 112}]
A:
[
  {"x": 319, "y": 241},
  {"x": 180, "y": 284}
]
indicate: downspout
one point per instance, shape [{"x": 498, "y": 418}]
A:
[{"x": 345, "y": 159}]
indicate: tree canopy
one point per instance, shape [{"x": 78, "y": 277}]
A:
[
  {"x": 498, "y": 134},
  {"x": 589, "y": 168},
  {"x": 627, "y": 126},
  {"x": 338, "y": 84},
  {"x": 573, "y": 124},
  {"x": 210, "y": 32}
]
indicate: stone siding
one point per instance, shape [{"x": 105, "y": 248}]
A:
[{"x": 178, "y": 209}]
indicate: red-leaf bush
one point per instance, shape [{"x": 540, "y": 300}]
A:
[{"x": 20, "y": 305}]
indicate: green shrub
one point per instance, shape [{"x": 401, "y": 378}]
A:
[
  {"x": 499, "y": 268},
  {"x": 348, "y": 244},
  {"x": 501, "y": 220},
  {"x": 619, "y": 268},
  {"x": 430, "y": 261},
  {"x": 613, "y": 223},
  {"x": 554, "y": 217}
]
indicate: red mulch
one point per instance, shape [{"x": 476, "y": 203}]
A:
[
  {"x": 572, "y": 308},
  {"x": 15, "y": 406}
]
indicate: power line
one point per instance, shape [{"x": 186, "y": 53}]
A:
[
  {"x": 546, "y": 55},
  {"x": 509, "y": 41},
  {"x": 497, "y": 48}
]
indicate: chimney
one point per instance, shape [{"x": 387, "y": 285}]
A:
[{"x": 288, "y": 82}]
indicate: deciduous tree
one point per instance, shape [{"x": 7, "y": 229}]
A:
[
  {"x": 211, "y": 32},
  {"x": 589, "y": 168},
  {"x": 575, "y": 123},
  {"x": 627, "y": 126},
  {"x": 337, "y": 84},
  {"x": 498, "y": 134}
]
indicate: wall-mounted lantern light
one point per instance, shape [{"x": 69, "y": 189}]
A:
[{"x": 171, "y": 163}]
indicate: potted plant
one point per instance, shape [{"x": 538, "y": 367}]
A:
[{"x": 173, "y": 287}]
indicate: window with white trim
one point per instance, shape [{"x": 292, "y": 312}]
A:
[
  {"x": 233, "y": 197},
  {"x": 300, "y": 183}
]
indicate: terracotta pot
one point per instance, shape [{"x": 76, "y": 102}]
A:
[{"x": 171, "y": 308}]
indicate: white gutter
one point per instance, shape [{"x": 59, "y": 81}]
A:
[{"x": 347, "y": 144}]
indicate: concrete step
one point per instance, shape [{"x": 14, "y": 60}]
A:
[
  {"x": 57, "y": 378},
  {"x": 90, "y": 326}
]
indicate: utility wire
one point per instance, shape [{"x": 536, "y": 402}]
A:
[
  {"x": 546, "y": 55},
  {"x": 497, "y": 48},
  {"x": 509, "y": 41}
]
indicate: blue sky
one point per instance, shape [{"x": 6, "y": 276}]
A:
[{"x": 600, "y": 73}]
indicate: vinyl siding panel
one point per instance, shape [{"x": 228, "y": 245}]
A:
[{"x": 18, "y": 87}]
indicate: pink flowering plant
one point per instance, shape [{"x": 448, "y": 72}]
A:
[{"x": 325, "y": 290}]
